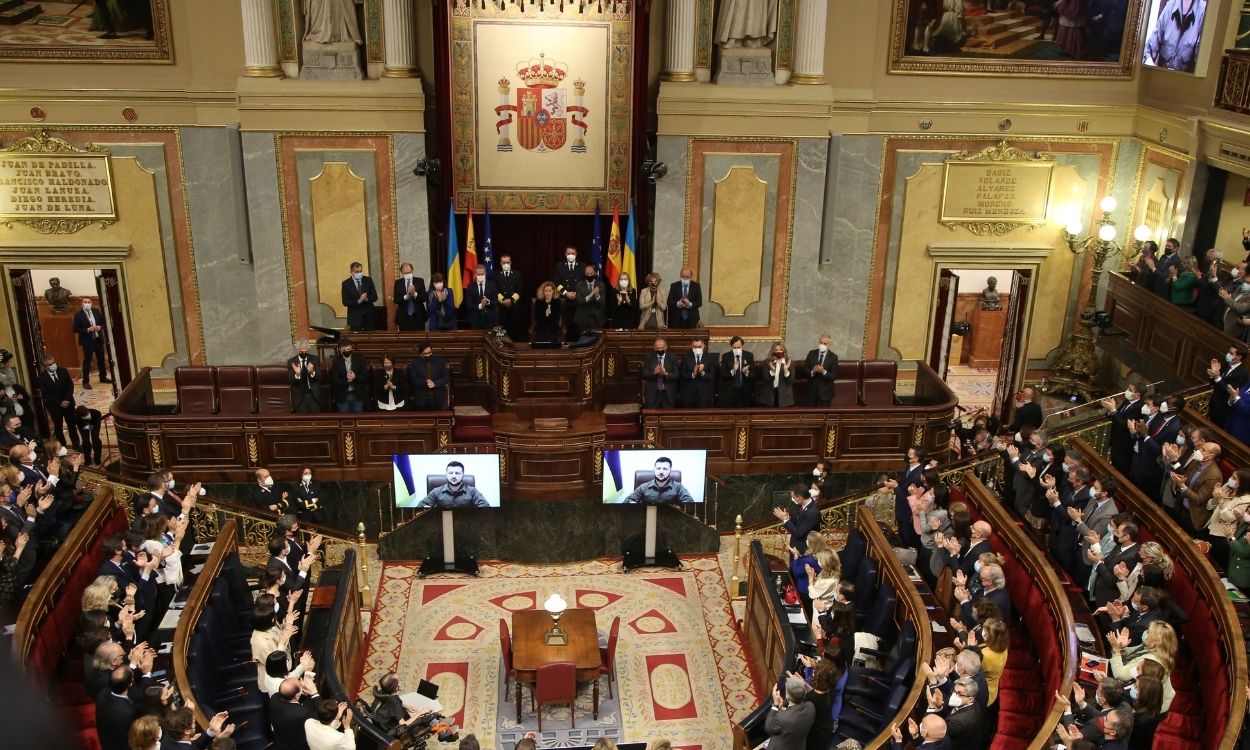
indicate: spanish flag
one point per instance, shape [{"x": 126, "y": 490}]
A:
[
  {"x": 614, "y": 251},
  {"x": 453, "y": 258},
  {"x": 628, "y": 261},
  {"x": 470, "y": 252}
]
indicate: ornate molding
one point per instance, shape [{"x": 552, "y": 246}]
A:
[
  {"x": 43, "y": 144},
  {"x": 1009, "y": 156},
  {"x": 1001, "y": 151},
  {"x": 742, "y": 442},
  {"x": 349, "y": 448},
  {"x": 831, "y": 442},
  {"x": 253, "y": 450},
  {"x": 154, "y": 447},
  {"x": 598, "y": 463}
]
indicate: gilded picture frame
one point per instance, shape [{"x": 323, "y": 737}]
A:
[
  {"x": 1028, "y": 38},
  {"x": 113, "y": 31}
]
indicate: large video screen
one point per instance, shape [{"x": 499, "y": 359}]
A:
[
  {"x": 446, "y": 480},
  {"x": 654, "y": 477},
  {"x": 1174, "y": 34}
]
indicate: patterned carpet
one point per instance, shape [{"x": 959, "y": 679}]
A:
[
  {"x": 100, "y": 397},
  {"x": 974, "y": 387},
  {"x": 682, "y": 674},
  {"x": 65, "y": 25}
]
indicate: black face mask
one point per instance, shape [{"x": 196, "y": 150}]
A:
[
  {"x": 660, "y": 351},
  {"x": 590, "y": 277}
]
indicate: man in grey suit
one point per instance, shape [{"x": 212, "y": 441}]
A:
[
  {"x": 790, "y": 718},
  {"x": 1095, "y": 517}
]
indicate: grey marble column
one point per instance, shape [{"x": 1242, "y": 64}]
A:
[{"x": 401, "y": 49}]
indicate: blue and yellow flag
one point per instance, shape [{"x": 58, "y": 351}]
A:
[
  {"x": 453, "y": 259},
  {"x": 628, "y": 253}
]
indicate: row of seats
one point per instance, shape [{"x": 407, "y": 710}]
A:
[
  {"x": 868, "y": 383},
  {"x": 1034, "y": 669}
]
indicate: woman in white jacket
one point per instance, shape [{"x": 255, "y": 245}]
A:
[{"x": 1157, "y": 645}]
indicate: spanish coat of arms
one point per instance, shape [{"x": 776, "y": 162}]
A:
[{"x": 541, "y": 108}]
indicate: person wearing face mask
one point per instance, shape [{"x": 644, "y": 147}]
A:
[
  {"x": 409, "y": 296},
  {"x": 508, "y": 295},
  {"x": 1121, "y": 439},
  {"x": 822, "y": 368},
  {"x": 685, "y": 297},
  {"x": 14, "y": 398},
  {"x": 822, "y": 482},
  {"x": 697, "y": 376},
  {"x": 359, "y": 294},
  {"x": 776, "y": 385},
  {"x": 349, "y": 376},
  {"x": 546, "y": 324},
  {"x": 623, "y": 307},
  {"x": 308, "y": 495},
  {"x": 265, "y": 495},
  {"x": 590, "y": 313},
  {"x": 929, "y": 734},
  {"x": 911, "y": 475},
  {"x": 428, "y": 381},
  {"x": 89, "y": 325},
  {"x": 652, "y": 305},
  {"x": 965, "y": 721},
  {"x": 659, "y": 377},
  {"x": 1170, "y": 259},
  {"x": 1159, "y": 425},
  {"x": 390, "y": 386},
  {"x": 737, "y": 374},
  {"x": 480, "y": 301},
  {"x": 1230, "y": 371},
  {"x": 1183, "y": 457},
  {"x": 304, "y": 378},
  {"x": 1239, "y": 554},
  {"x": 1107, "y": 570},
  {"x": 1027, "y": 464},
  {"x": 1209, "y": 304},
  {"x": 57, "y": 388},
  {"x": 568, "y": 272},
  {"x": 441, "y": 305},
  {"x": 1028, "y": 411},
  {"x": 1142, "y": 272},
  {"x": 1236, "y": 305},
  {"x": 1196, "y": 491}
]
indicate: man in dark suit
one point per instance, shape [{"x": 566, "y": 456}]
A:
[
  {"x": 347, "y": 374},
  {"x": 280, "y": 555},
  {"x": 1223, "y": 374},
  {"x": 409, "y": 296},
  {"x": 289, "y": 708},
  {"x": 791, "y": 717},
  {"x": 266, "y": 496},
  {"x": 737, "y": 374},
  {"x": 685, "y": 297},
  {"x": 1028, "y": 411},
  {"x": 115, "y": 711},
  {"x": 511, "y": 298},
  {"x": 965, "y": 721},
  {"x": 304, "y": 378},
  {"x": 181, "y": 732},
  {"x": 1121, "y": 438},
  {"x": 57, "y": 388},
  {"x": 1159, "y": 425},
  {"x": 1099, "y": 722},
  {"x": 697, "y": 376},
  {"x": 802, "y": 519},
  {"x": 359, "y": 294},
  {"x": 965, "y": 561},
  {"x": 89, "y": 325},
  {"x": 993, "y": 587},
  {"x": 659, "y": 378},
  {"x": 591, "y": 312},
  {"x": 822, "y": 367},
  {"x": 566, "y": 275},
  {"x": 929, "y": 734},
  {"x": 902, "y": 510},
  {"x": 89, "y": 423},
  {"x": 1103, "y": 586},
  {"x": 428, "y": 380},
  {"x": 479, "y": 300}
]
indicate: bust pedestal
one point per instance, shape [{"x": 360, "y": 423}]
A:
[
  {"x": 745, "y": 66},
  {"x": 332, "y": 61},
  {"x": 986, "y": 347}
]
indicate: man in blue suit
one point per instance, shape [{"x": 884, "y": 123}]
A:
[
  {"x": 479, "y": 300},
  {"x": 89, "y": 325},
  {"x": 902, "y": 511},
  {"x": 359, "y": 294}
]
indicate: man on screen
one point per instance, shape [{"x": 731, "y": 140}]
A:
[
  {"x": 1174, "y": 44},
  {"x": 661, "y": 489},
  {"x": 454, "y": 494}
]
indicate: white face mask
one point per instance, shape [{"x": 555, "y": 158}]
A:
[
  {"x": 822, "y": 348},
  {"x": 1146, "y": 411},
  {"x": 62, "y": 452},
  {"x": 570, "y": 258},
  {"x": 171, "y": 484},
  {"x": 1130, "y": 395},
  {"x": 308, "y": 477},
  {"x": 955, "y": 701},
  {"x": 481, "y": 279},
  {"x": 506, "y": 267},
  {"x": 815, "y": 472},
  {"x": 268, "y": 481},
  {"x": 86, "y": 306},
  {"x": 737, "y": 350},
  {"x": 813, "y": 493},
  {"x": 357, "y": 275},
  {"x": 407, "y": 277},
  {"x": 1163, "y": 408},
  {"x": 438, "y": 286},
  {"x": 698, "y": 350},
  {"x": 624, "y": 283}
]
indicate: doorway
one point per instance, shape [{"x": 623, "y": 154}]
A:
[
  {"x": 977, "y": 330},
  {"x": 47, "y": 305}
]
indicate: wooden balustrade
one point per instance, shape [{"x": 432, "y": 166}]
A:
[
  {"x": 225, "y": 545},
  {"x": 1192, "y": 569}
]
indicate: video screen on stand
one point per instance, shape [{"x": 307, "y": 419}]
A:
[
  {"x": 446, "y": 480},
  {"x": 653, "y": 477}
]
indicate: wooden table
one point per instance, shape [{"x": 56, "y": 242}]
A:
[{"x": 529, "y": 652}]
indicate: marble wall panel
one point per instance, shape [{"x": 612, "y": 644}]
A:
[
  {"x": 412, "y": 203},
  {"x": 669, "y": 236},
  {"x": 272, "y": 326}
]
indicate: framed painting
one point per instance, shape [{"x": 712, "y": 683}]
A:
[
  {"x": 124, "y": 31},
  {"x": 1072, "y": 38}
]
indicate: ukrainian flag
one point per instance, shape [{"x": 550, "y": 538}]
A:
[
  {"x": 453, "y": 259},
  {"x": 627, "y": 252}
]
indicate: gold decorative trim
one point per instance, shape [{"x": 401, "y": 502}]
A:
[
  {"x": 598, "y": 463},
  {"x": 1008, "y": 156},
  {"x": 611, "y": 365},
  {"x": 742, "y": 442},
  {"x": 503, "y": 464},
  {"x": 650, "y": 437},
  {"x": 804, "y": 79},
  {"x": 154, "y": 447},
  {"x": 253, "y": 450},
  {"x": 444, "y": 438},
  {"x": 917, "y": 435},
  {"x": 672, "y": 75},
  {"x": 262, "y": 71},
  {"x": 160, "y": 51},
  {"x": 586, "y": 384},
  {"x": 412, "y": 72},
  {"x": 43, "y": 144},
  {"x": 505, "y": 385},
  {"x": 349, "y": 447},
  {"x": 479, "y": 367},
  {"x": 831, "y": 442}
]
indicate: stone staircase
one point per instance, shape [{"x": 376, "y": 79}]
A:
[
  {"x": 13, "y": 12},
  {"x": 1002, "y": 33}
]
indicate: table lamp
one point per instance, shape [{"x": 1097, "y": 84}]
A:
[{"x": 555, "y": 607}]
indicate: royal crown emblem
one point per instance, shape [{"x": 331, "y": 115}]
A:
[{"x": 541, "y": 108}]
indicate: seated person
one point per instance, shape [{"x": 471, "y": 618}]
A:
[
  {"x": 454, "y": 494},
  {"x": 389, "y": 711},
  {"x": 662, "y": 489}
]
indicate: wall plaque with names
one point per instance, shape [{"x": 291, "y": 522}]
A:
[
  {"x": 996, "y": 190},
  {"x": 55, "y": 186}
]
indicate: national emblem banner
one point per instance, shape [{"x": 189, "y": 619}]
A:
[{"x": 541, "y": 117}]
